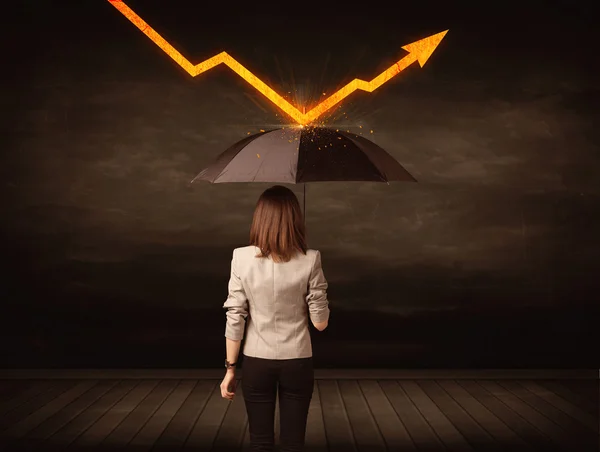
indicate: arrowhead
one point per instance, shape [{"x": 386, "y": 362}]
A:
[{"x": 424, "y": 48}]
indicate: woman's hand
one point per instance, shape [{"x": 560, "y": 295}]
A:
[{"x": 228, "y": 385}]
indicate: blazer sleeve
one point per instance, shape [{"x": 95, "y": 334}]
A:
[
  {"x": 236, "y": 305},
  {"x": 318, "y": 305}
]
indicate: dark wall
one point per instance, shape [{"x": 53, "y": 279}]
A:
[{"x": 112, "y": 260}]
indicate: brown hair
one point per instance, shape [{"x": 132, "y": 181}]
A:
[{"x": 278, "y": 225}]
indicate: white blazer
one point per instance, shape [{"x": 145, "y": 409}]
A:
[{"x": 277, "y": 299}]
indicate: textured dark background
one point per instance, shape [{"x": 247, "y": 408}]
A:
[{"x": 111, "y": 260}]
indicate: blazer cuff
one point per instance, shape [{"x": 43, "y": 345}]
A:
[
  {"x": 233, "y": 334},
  {"x": 322, "y": 316}
]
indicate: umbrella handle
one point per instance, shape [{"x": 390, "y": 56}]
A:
[
  {"x": 304, "y": 206},
  {"x": 304, "y": 189}
]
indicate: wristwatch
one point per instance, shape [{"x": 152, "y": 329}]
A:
[{"x": 229, "y": 365}]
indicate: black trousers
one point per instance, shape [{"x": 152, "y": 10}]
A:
[{"x": 261, "y": 380}]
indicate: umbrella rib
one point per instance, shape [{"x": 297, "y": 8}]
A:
[
  {"x": 258, "y": 169},
  {"x": 366, "y": 154}
]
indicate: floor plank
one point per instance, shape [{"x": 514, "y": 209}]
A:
[
  {"x": 476, "y": 435},
  {"x": 486, "y": 418},
  {"x": 338, "y": 430},
  {"x": 231, "y": 433},
  {"x": 174, "y": 436},
  {"x": 420, "y": 431},
  {"x": 315, "y": 439},
  {"x": 57, "y": 421},
  {"x": 6, "y": 386},
  {"x": 35, "y": 403},
  {"x": 361, "y": 415},
  {"x": 536, "y": 439},
  {"x": 21, "y": 428},
  {"x": 588, "y": 389},
  {"x": 366, "y": 431},
  {"x": 208, "y": 423},
  {"x": 100, "y": 429},
  {"x": 574, "y": 430},
  {"x": 123, "y": 433},
  {"x": 562, "y": 390},
  {"x": 565, "y": 406},
  {"x": 144, "y": 440},
  {"x": 85, "y": 420},
  {"x": 16, "y": 400},
  {"x": 393, "y": 431},
  {"x": 550, "y": 429},
  {"x": 446, "y": 431},
  {"x": 12, "y": 388}
]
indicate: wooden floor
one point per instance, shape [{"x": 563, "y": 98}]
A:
[{"x": 345, "y": 415}]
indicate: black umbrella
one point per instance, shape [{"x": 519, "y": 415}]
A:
[{"x": 304, "y": 154}]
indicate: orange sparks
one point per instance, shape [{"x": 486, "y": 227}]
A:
[{"x": 417, "y": 51}]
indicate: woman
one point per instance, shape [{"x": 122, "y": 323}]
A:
[{"x": 278, "y": 284}]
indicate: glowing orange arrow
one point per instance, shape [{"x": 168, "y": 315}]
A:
[{"x": 418, "y": 51}]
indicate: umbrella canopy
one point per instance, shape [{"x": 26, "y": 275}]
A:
[{"x": 304, "y": 154}]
